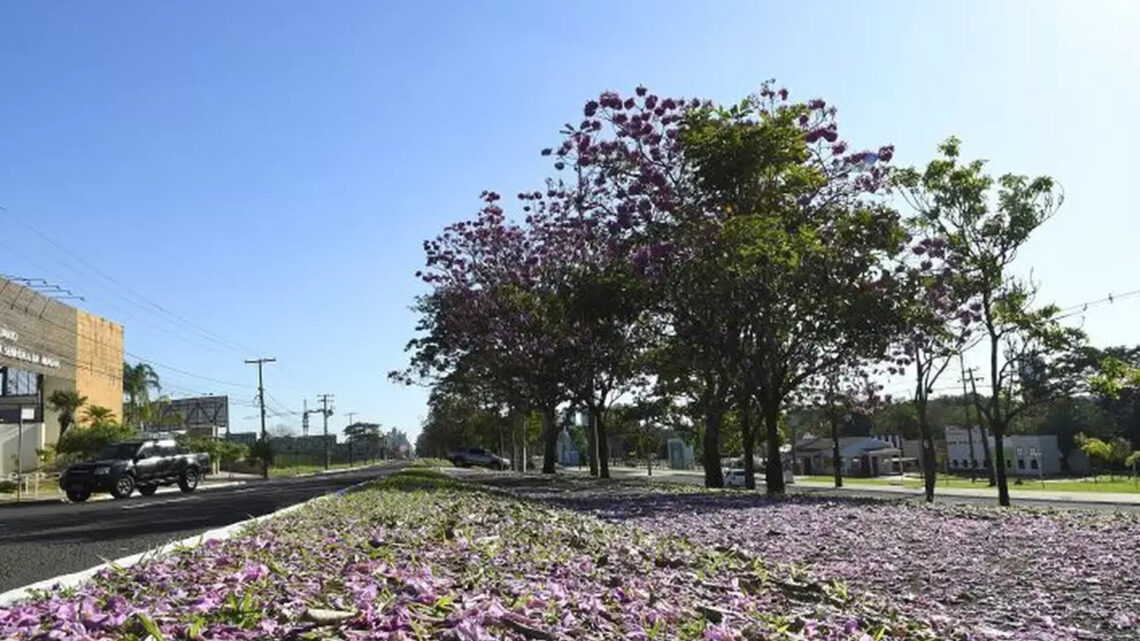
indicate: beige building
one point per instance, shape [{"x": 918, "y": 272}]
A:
[{"x": 46, "y": 346}]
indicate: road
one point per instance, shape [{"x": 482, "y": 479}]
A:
[
  {"x": 44, "y": 541},
  {"x": 864, "y": 491}
]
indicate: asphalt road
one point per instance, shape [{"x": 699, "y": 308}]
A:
[{"x": 44, "y": 541}]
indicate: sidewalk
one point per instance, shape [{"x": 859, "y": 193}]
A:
[
  {"x": 49, "y": 497},
  {"x": 696, "y": 477}
]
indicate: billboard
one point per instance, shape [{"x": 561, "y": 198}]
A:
[{"x": 201, "y": 412}]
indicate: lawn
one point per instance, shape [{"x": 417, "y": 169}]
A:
[
  {"x": 1100, "y": 484},
  {"x": 284, "y": 471}
]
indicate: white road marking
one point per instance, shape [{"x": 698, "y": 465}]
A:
[{"x": 142, "y": 505}]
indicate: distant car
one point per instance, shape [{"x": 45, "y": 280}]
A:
[
  {"x": 478, "y": 457},
  {"x": 734, "y": 478},
  {"x": 142, "y": 464}
]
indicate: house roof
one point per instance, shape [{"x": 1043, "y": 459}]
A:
[{"x": 868, "y": 445}]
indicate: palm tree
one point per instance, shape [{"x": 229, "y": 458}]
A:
[
  {"x": 66, "y": 402},
  {"x": 138, "y": 380},
  {"x": 98, "y": 415}
]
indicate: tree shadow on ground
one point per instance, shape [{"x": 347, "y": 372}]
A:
[{"x": 621, "y": 499}]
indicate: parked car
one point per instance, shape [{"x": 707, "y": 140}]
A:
[
  {"x": 734, "y": 477},
  {"x": 477, "y": 456},
  {"x": 142, "y": 464}
]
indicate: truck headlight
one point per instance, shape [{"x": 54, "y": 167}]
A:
[{"x": 101, "y": 470}]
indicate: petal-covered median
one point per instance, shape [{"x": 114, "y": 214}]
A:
[
  {"x": 981, "y": 572},
  {"x": 424, "y": 557}
]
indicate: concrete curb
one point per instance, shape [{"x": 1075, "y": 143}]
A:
[
  {"x": 206, "y": 487},
  {"x": 218, "y": 534}
]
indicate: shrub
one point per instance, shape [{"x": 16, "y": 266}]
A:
[{"x": 85, "y": 442}]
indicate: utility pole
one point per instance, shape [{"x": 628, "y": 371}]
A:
[
  {"x": 326, "y": 411},
  {"x": 966, "y": 409},
  {"x": 261, "y": 399},
  {"x": 304, "y": 417}
]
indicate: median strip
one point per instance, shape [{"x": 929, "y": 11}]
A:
[{"x": 424, "y": 556}]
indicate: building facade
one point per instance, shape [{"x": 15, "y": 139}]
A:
[
  {"x": 47, "y": 346},
  {"x": 1022, "y": 455},
  {"x": 858, "y": 456}
]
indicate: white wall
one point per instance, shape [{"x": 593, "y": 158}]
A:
[
  {"x": 9, "y": 446},
  {"x": 1017, "y": 456}
]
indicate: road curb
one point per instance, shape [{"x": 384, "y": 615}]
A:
[{"x": 218, "y": 534}]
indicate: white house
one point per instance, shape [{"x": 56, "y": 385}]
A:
[
  {"x": 1023, "y": 454},
  {"x": 859, "y": 455}
]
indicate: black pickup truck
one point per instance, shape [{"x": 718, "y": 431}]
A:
[{"x": 142, "y": 464}]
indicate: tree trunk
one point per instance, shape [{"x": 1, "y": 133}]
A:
[
  {"x": 516, "y": 462},
  {"x": 986, "y": 452},
  {"x": 714, "y": 416},
  {"x": 836, "y": 461},
  {"x": 929, "y": 459},
  {"x": 603, "y": 444},
  {"x": 1002, "y": 481},
  {"x": 550, "y": 439},
  {"x": 774, "y": 467},
  {"x": 591, "y": 444},
  {"x": 748, "y": 437}
]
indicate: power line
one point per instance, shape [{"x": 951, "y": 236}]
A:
[{"x": 82, "y": 261}]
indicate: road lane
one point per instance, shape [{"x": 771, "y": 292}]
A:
[{"x": 43, "y": 541}]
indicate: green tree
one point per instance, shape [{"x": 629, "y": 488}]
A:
[
  {"x": 808, "y": 284},
  {"x": 87, "y": 442},
  {"x": 138, "y": 381},
  {"x": 1132, "y": 461},
  {"x": 1119, "y": 451},
  {"x": 66, "y": 403},
  {"x": 985, "y": 222},
  {"x": 98, "y": 415},
  {"x": 1097, "y": 450}
]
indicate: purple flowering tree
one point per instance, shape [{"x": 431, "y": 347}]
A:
[
  {"x": 940, "y": 314},
  {"x": 985, "y": 221},
  {"x": 494, "y": 314}
]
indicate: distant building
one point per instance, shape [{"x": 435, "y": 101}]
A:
[
  {"x": 858, "y": 455},
  {"x": 46, "y": 347},
  {"x": 1022, "y": 455},
  {"x": 680, "y": 454},
  {"x": 312, "y": 443},
  {"x": 245, "y": 438}
]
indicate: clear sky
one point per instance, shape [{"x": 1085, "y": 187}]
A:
[{"x": 268, "y": 170}]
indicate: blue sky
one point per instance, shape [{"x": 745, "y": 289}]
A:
[{"x": 268, "y": 170}]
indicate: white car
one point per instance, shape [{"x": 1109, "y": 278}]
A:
[{"x": 734, "y": 478}]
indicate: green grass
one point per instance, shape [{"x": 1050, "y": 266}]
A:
[
  {"x": 285, "y": 471},
  {"x": 1118, "y": 484}
]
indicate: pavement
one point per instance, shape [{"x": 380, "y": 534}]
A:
[
  {"x": 982, "y": 496},
  {"x": 46, "y": 540}
]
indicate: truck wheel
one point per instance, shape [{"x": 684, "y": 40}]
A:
[
  {"x": 188, "y": 482},
  {"x": 124, "y": 486},
  {"x": 78, "y": 495},
  {"x": 148, "y": 490}
]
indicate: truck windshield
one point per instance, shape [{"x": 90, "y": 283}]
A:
[{"x": 119, "y": 451}]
